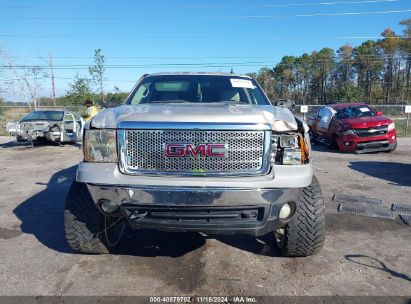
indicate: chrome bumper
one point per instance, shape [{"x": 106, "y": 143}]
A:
[
  {"x": 173, "y": 196},
  {"x": 280, "y": 176}
]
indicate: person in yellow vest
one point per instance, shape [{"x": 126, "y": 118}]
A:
[{"x": 91, "y": 110}]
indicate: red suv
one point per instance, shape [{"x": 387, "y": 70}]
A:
[{"x": 353, "y": 127}]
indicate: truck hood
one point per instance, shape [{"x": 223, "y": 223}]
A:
[
  {"x": 280, "y": 119},
  {"x": 365, "y": 122}
]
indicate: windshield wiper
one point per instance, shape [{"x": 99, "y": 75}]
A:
[
  {"x": 234, "y": 102},
  {"x": 170, "y": 101}
]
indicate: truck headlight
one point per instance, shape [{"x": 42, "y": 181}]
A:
[
  {"x": 100, "y": 146},
  {"x": 288, "y": 141},
  {"x": 349, "y": 132},
  {"x": 391, "y": 127},
  {"x": 292, "y": 156},
  {"x": 289, "y": 149}
]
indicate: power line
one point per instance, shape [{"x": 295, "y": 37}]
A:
[
  {"x": 70, "y": 78},
  {"x": 314, "y": 15},
  {"x": 180, "y": 57},
  {"x": 405, "y": 57},
  {"x": 337, "y": 56},
  {"x": 145, "y": 67},
  {"x": 200, "y": 37},
  {"x": 117, "y": 80},
  {"x": 123, "y": 18},
  {"x": 148, "y": 57},
  {"x": 227, "y": 65},
  {"x": 299, "y": 4},
  {"x": 211, "y": 64},
  {"x": 138, "y": 65},
  {"x": 217, "y": 6},
  {"x": 194, "y": 64}
]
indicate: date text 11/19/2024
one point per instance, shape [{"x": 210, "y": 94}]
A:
[{"x": 203, "y": 299}]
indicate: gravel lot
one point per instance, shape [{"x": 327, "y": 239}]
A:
[{"x": 362, "y": 256}]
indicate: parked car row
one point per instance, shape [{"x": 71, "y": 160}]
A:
[{"x": 348, "y": 127}]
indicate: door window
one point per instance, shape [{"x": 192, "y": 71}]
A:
[
  {"x": 325, "y": 115},
  {"x": 321, "y": 112}
]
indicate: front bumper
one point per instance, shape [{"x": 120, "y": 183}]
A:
[
  {"x": 280, "y": 176},
  {"x": 375, "y": 146},
  {"x": 209, "y": 210},
  {"x": 353, "y": 143},
  {"x": 39, "y": 135},
  {"x": 247, "y": 205}
]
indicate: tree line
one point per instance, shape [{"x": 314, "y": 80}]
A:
[{"x": 376, "y": 72}]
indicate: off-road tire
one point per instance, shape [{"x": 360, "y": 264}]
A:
[
  {"x": 334, "y": 143},
  {"x": 55, "y": 128},
  {"x": 304, "y": 234},
  {"x": 313, "y": 138},
  {"x": 83, "y": 222}
]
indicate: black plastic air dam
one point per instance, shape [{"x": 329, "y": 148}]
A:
[
  {"x": 209, "y": 210},
  {"x": 210, "y": 220}
]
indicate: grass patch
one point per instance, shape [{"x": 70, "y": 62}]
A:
[{"x": 400, "y": 125}]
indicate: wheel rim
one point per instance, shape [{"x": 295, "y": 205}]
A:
[
  {"x": 56, "y": 133},
  {"x": 279, "y": 235},
  {"x": 113, "y": 230}
]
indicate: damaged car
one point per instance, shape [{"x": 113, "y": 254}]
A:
[
  {"x": 50, "y": 125},
  {"x": 353, "y": 127}
]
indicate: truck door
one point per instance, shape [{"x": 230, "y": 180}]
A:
[
  {"x": 72, "y": 127},
  {"x": 313, "y": 122},
  {"x": 80, "y": 126}
]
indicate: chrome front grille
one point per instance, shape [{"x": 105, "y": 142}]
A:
[
  {"x": 35, "y": 126},
  {"x": 143, "y": 152},
  {"x": 368, "y": 132}
]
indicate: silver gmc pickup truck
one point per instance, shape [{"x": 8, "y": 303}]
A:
[{"x": 202, "y": 152}]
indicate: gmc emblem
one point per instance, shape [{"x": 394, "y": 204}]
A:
[{"x": 190, "y": 150}]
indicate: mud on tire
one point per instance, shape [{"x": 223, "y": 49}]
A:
[
  {"x": 304, "y": 234},
  {"x": 83, "y": 223}
]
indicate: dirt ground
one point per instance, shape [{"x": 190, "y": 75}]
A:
[{"x": 362, "y": 256}]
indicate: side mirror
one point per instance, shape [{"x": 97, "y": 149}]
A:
[{"x": 379, "y": 113}]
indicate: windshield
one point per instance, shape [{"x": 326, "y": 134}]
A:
[
  {"x": 354, "y": 112},
  {"x": 197, "y": 89},
  {"x": 44, "y": 115}
]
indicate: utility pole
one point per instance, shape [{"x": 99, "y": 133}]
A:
[{"x": 53, "y": 88}]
